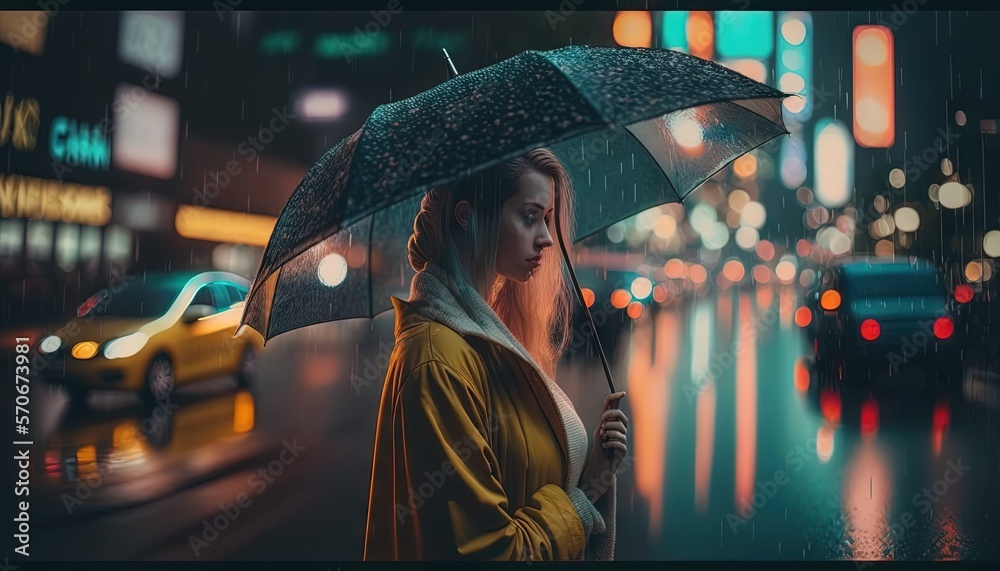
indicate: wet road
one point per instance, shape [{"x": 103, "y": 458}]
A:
[{"x": 738, "y": 452}]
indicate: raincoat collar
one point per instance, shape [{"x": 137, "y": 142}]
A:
[{"x": 433, "y": 296}]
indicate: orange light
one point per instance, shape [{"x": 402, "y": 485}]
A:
[
  {"x": 830, "y": 300},
  {"x": 829, "y": 404},
  {"x": 633, "y": 29},
  {"x": 675, "y": 269},
  {"x": 801, "y": 375},
  {"x": 874, "y": 96},
  {"x": 701, "y": 35},
  {"x": 734, "y": 271},
  {"x": 588, "y": 296},
  {"x": 698, "y": 273},
  {"x": 243, "y": 412},
  {"x": 803, "y": 317},
  {"x": 620, "y": 298},
  {"x": 84, "y": 350},
  {"x": 963, "y": 293},
  {"x": 745, "y": 166},
  {"x": 761, "y": 274},
  {"x": 634, "y": 310},
  {"x": 765, "y": 250},
  {"x": 944, "y": 327},
  {"x": 227, "y": 226},
  {"x": 659, "y": 293},
  {"x": 870, "y": 329}
]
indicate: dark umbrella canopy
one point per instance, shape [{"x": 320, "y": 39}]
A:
[{"x": 634, "y": 128}]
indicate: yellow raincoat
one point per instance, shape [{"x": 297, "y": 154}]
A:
[{"x": 472, "y": 456}]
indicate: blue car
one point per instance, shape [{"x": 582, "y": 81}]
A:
[{"x": 876, "y": 317}]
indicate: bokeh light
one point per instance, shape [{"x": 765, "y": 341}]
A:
[
  {"x": 991, "y": 244},
  {"x": 332, "y": 270},
  {"x": 641, "y": 287},
  {"x": 734, "y": 271}
]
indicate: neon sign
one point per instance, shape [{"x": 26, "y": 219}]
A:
[{"x": 79, "y": 144}]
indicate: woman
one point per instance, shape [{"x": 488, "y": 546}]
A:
[{"x": 478, "y": 453}]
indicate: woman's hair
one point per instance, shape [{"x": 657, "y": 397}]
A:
[{"x": 538, "y": 312}]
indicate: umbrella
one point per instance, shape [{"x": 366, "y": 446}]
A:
[{"x": 634, "y": 127}]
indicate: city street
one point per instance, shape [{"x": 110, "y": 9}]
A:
[{"x": 737, "y": 455}]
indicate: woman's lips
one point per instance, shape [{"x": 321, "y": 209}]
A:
[{"x": 537, "y": 261}]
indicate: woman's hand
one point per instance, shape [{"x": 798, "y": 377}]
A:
[{"x": 609, "y": 449}]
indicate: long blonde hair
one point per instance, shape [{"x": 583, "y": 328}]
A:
[{"x": 538, "y": 312}]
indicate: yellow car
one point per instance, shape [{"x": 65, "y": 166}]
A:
[{"x": 152, "y": 332}]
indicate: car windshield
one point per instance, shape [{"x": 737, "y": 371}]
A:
[
  {"x": 890, "y": 285},
  {"x": 133, "y": 300}
]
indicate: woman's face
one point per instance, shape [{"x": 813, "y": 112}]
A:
[{"x": 527, "y": 225}]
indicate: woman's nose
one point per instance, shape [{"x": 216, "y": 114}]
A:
[{"x": 545, "y": 240}]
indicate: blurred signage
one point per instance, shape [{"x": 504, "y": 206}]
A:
[
  {"x": 43, "y": 199},
  {"x": 745, "y": 34},
  {"x": 25, "y": 31},
  {"x": 428, "y": 39},
  {"x": 153, "y": 41},
  {"x": 146, "y": 132},
  {"x": 279, "y": 42},
  {"x": 331, "y": 46},
  {"x": 19, "y": 122},
  {"x": 229, "y": 226},
  {"x": 79, "y": 144}
]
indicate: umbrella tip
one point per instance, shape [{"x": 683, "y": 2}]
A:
[{"x": 452, "y": 72}]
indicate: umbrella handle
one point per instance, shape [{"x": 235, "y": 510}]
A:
[{"x": 583, "y": 302}]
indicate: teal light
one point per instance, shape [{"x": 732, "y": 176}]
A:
[
  {"x": 673, "y": 30},
  {"x": 793, "y": 63},
  {"x": 434, "y": 40},
  {"x": 79, "y": 144},
  {"x": 279, "y": 42},
  {"x": 743, "y": 34},
  {"x": 332, "y": 46}
]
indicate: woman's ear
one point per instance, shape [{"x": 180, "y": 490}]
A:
[{"x": 462, "y": 212}]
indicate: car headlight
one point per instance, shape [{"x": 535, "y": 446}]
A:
[
  {"x": 126, "y": 346},
  {"x": 84, "y": 350},
  {"x": 50, "y": 344}
]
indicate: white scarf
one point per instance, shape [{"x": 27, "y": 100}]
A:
[{"x": 435, "y": 295}]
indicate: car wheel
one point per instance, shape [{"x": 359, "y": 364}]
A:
[
  {"x": 159, "y": 379},
  {"x": 249, "y": 364}
]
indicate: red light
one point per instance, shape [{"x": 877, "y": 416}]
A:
[
  {"x": 829, "y": 404},
  {"x": 942, "y": 414},
  {"x": 944, "y": 327},
  {"x": 870, "y": 329},
  {"x": 963, "y": 293},
  {"x": 803, "y": 317},
  {"x": 869, "y": 416}
]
